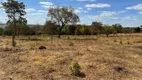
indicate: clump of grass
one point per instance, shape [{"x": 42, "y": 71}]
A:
[
  {"x": 75, "y": 69},
  {"x": 88, "y": 49},
  {"x": 115, "y": 41},
  {"x": 128, "y": 42},
  {"x": 70, "y": 44},
  {"x": 98, "y": 36},
  {"x": 68, "y": 38},
  {"x": 121, "y": 42},
  {"x": 29, "y": 37}
]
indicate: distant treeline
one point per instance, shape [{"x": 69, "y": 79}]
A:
[{"x": 52, "y": 29}]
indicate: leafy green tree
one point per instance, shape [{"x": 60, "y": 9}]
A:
[
  {"x": 15, "y": 12},
  {"x": 37, "y": 29},
  {"x": 63, "y": 16},
  {"x": 108, "y": 30},
  {"x": 96, "y": 27},
  {"x": 66, "y": 30},
  {"x": 71, "y": 30},
  {"x": 127, "y": 30},
  {"x": 141, "y": 28},
  {"x": 49, "y": 28},
  {"x": 1, "y": 31},
  {"x": 23, "y": 30},
  {"x": 84, "y": 30},
  {"x": 7, "y": 32},
  {"x": 77, "y": 30},
  {"x": 118, "y": 27},
  {"x": 138, "y": 29}
]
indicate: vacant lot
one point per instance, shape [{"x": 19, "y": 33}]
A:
[{"x": 116, "y": 57}]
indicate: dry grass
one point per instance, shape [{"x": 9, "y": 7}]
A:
[{"x": 103, "y": 58}]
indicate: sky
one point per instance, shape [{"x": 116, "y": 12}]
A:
[{"x": 125, "y": 12}]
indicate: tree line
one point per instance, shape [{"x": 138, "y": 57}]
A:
[{"x": 50, "y": 28}]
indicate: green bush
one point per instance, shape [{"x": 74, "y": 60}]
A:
[
  {"x": 121, "y": 42},
  {"x": 70, "y": 44},
  {"x": 75, "y": 69}
]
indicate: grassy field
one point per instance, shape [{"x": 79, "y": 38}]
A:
[{"x": 116, "y": 57}]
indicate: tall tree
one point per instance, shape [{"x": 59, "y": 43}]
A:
[
  {"x": 63, "y": 16},
  {"x": 15, "y": 12},
  {"x": 96, "y": 27},
  {"x": 118, "y": 27},
  {"x": 108, "y": 30}
]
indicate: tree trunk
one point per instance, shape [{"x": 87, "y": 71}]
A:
[
  {"x": 107, "y": 35},
  {"x": 13, "y": 39},
  {"x": 59, "y": 33},
  {"x": 14, "y": 33}
]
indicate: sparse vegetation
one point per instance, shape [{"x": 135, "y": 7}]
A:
[
  {"x": 95, "y": 57},
  {"x": 121, "y": 42},
  {"x": 106, "y": 52},
  {"x": 75, "y": 69},
  {"x": 15, "y": 11},
  {"x": 70, "y": 44}
]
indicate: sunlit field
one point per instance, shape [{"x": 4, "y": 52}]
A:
[{"x": 117, "y": 57}]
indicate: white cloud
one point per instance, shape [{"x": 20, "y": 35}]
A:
[
  {"x": 135, "y": 7},
  {"x": 77, "y": 11},
  {"x": 107, "y": 14},
  {"x": 110, "y": 13},
  {"x": 89, "y": 8},
  {"x": 35, "y": 14},
  {"x": 126, "y": 21},
  {"x": 99, "y": 5},
  {"x": 103, "y": 16},
  {"x": 46, "y": 3},
  {"x": 30, "y": 10},
  {"x": 42, "y": 11},
  {"x": 46, "y": 6},
  {"x": 140, "y": 12},
  {"x": 80, "y": 10}
]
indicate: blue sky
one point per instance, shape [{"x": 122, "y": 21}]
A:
[{"x": 126, "y": 12}]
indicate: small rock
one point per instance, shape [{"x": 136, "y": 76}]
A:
[
  {"x": 7, "y": 49},
  {"x": 42, "y": 47},
  {"x": 119, "y": 69}
]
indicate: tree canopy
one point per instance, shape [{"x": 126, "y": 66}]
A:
[{"x": 63, "y": 16}]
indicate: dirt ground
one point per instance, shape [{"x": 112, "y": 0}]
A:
[{"x": 118, "y": 57}]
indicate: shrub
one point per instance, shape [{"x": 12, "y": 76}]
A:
[
  {"x": 128, "y": 42},
  {"x": 109, "y": 30},
  {"x": 70, "y": 44},
  {"x": 115, "y": 41},
  {"x": 68, "y": 38},
  {"x": 121, "y": 42},
  {"x": 98, "y": 36},
  {"x": 75, "y": 69}
]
